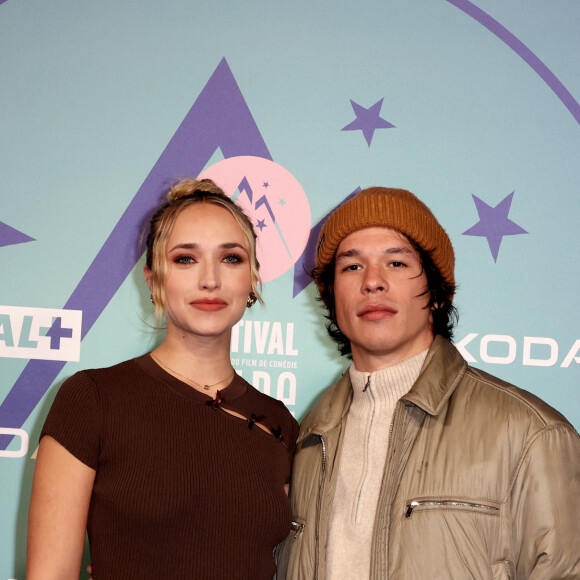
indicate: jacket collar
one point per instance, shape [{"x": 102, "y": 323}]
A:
[
  {"x": 329, "y": 410},
  {"x": 443, "y": 369}
]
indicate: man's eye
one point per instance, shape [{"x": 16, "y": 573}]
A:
[
  {"x": 351, "y": 267},
  {"x": 397, "y": 264}
]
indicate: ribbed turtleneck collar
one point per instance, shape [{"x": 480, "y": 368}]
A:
[{"x": 390, "y": 383}]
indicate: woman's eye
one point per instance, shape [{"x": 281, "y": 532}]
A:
[
  {"x": 396, "y": 264},
  {"x": 232, "y": 259},
  {"x": 184, "y": 260}
]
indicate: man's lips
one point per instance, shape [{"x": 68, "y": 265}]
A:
[
  {"x": 209, "y": 304},
  {"x": 376, "y": 312}
]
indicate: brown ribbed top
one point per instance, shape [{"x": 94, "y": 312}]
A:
[{"x": 183, "y": 489}]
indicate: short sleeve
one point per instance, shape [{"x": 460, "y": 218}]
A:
[{"x": 74, "y": 419}]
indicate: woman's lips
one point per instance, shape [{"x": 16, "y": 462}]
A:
[
  {"x": 209, "y": 304},
  {"x": 377, "y": 312}
]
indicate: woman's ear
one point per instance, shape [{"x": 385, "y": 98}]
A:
[{"x": 148, "y": 275}]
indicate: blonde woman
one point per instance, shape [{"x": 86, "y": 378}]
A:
[{"x": 175, "y": 465}]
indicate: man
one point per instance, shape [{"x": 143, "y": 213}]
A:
[{"x": 415, "y": 465}]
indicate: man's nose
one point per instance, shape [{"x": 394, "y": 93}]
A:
[{"x": 375, "y": 279}]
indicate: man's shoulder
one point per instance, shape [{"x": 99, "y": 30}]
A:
[
  {"x": 509, "y": 399},
  {"x": 479, "y": 389}
]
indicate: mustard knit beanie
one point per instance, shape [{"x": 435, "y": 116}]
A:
[{"x": 397, "y": 209}]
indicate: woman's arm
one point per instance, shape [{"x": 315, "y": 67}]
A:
[{"x": 57, "y": 520}]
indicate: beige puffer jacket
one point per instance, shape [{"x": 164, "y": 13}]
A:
[{"x": 482, "y": 481}]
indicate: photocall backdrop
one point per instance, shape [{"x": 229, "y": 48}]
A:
[{"x": 291, "y": 108}]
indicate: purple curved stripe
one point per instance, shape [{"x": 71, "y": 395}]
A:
[{"x": 524, "y": 52}]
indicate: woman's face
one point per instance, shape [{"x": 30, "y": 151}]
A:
[{"x": 208, "y": 272}]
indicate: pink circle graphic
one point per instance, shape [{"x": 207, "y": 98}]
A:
[{"x": 276, "y": 204}]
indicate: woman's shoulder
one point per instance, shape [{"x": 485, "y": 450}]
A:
[
  {"x": 265, "y": 400},
  {"x": 271, "y": 408},
  {"x": 126, "y": 367},
  {"x": 99, "y": 379}
]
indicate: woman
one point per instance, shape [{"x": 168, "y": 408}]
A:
[{"x": 175, "y": 465}]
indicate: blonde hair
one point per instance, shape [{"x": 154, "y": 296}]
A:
[{"x": 183, "y": 194}]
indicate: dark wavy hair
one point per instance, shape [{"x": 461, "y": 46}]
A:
[{"x": 445, "y": 315}]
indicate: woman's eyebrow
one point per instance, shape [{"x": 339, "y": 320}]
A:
[
  {"x": 232, "y": 245},
  {"x": 184, "y": 246},
  {"x": 194, "y": 246}
]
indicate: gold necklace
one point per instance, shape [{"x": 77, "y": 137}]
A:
[{"x": 204, "y": 387}]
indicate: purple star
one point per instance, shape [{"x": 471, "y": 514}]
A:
[
  {"x": 494, "y": 223},
  {"x": 367, "y": 120},
  {"x": 9, "y": 236},
  {"x": 266, "y": 184},
  {"x": 261, "y": 224}
]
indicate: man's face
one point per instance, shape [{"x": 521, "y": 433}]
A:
[{"x": 381, "y": 298}]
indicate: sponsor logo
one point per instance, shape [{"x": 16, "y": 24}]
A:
[
  {"x": 16, "y": 435},
  {"x": 40, "y": 333},
  {"x": 502, "y": 349}
]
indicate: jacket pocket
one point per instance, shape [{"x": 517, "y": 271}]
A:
[
  {"x": 287, "y": 549},
  {"x": 461, "y": 504},
  {"x": 500, "y": 570}
]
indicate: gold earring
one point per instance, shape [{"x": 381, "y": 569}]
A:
[{"x": 252, "y": 298}]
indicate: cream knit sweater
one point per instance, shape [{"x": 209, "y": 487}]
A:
[{"x": 362, "y": 464}]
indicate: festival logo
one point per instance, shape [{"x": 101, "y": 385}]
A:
[{"x": 274, "y": 200}]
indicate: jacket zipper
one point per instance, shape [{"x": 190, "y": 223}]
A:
[
  {"x": 323, "y": 469},
  {"x": 388, "y": 471},
  {"x": 447, "y": 502},
  {"x": 297, "y": 528}
]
